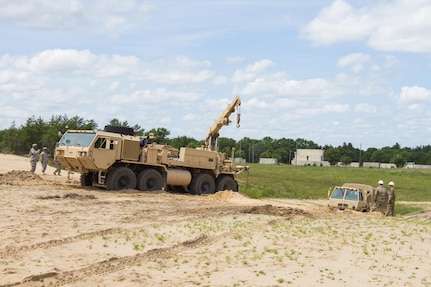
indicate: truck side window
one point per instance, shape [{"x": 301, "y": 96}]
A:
[
  {"x": 351, "y": 194},
  {"x": 100, "y": 143}
]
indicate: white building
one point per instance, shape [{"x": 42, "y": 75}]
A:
[
  {"x": 266, "y": 160},
  {"x": 414, "y": 165},
  {"x": 309, "y": 157}
]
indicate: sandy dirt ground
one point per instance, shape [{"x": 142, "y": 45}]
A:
[{"x": 56, "y": 233}]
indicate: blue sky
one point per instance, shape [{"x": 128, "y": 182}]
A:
[{"x": 328, "y": 71}]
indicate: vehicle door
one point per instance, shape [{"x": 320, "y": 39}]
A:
[{"x": 104, "y": 151}]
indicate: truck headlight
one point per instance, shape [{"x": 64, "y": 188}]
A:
[{"x": 83, "y": 153}]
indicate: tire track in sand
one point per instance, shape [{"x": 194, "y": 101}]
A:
[
  {"x": 17, "y": 251},
  {"x": 109, "y": 266}
]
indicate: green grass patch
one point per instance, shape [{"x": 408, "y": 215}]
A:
[
  {"x": 313, "y": 182},
  {"x": 404, "y": 209}
]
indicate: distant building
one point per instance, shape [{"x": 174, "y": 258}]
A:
[
  {"x": 371, "y": 164},
  {"x": 388, "y": 165},
  {"x": 379, "y": 165},
  {"x": 414, "y": 165},
  {"x": 239, "y": 160},
  {"x": 309, "y": 157},
  {"x": 265, "y": 160}
]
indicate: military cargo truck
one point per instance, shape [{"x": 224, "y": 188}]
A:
[{"x": 117, "y": 159}]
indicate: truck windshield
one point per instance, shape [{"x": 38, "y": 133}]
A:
[
  {"x": 77, "y": 139},
  {"x": 338, "y": 193}
]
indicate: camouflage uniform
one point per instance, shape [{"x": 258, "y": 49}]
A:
[
  {"x": 44, "y": 159},
  {"x": 34, "y": 156},
  {"x": 380, "y": 199},
  {"x": 57, "y": 166},
  {"x": 391, "y": 202}
]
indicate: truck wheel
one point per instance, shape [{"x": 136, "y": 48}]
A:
[
  {"x": 86, "y": 179},
  {"x": 121, "y": 178},
  {"x": 202, "y": 183},
  {"x": 149, "y": 180},
  {"x": 226, "y": 182}
]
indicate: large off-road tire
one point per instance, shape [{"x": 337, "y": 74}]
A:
[
  {"x": 226, "y": 182},
  {"x": 149, "y": 180},
  {"x": 119, "y": 130},
  {"x": 86, "y": 179},
  {"x": 121, "y": 178},
  {"x": 202, "y": 183}
]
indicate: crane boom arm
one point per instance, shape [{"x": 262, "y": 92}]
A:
[{"x": 213, "y": 133}]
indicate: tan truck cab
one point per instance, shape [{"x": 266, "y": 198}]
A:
[{"x": 354, "y": 196}]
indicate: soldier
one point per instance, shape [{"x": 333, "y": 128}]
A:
[
  {"x": 44, "y": 158},
  {"x": 380, "y": 198},
  {"x": 34, "y": 156},
  {"x": 391, "y": 199},
  {"x": 57, "y": 166}
]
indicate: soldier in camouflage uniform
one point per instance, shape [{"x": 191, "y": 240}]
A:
[
  {"x": 34, "y": 157},
  {"x": 380, "y": 198},
  {"x": 391, "y": 199},
  {"x": 44, "y": 158}
]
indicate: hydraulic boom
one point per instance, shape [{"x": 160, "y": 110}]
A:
[{"x": 213, "y": 133}]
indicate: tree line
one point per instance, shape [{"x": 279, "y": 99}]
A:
[{"x": 18, "y": 140}]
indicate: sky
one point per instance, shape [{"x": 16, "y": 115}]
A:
[{"x": 331, "y": 72}]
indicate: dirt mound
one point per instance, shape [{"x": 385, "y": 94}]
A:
[
  {"x": 20, "y": 177},
  {"x": 225, "y": 195},
  {"x": 277, "y": 211}
]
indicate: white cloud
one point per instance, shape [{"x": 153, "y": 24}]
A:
[
  {"x": 276, "y": 85},
  {"x": 365, "y": 108},
  {"x": 390, "y": 61},
  {"x": 288, "y": 103},
  {"x": 251, "y": 71},
  {"x": 402, "y": 26},
  {"x": 414, "y": 94},
  {"x": 234, "y": 59},
  {"x": 340, "y": 22},
  {"x": 112, "y": 15},
  {"x": 58, "y": 60},
  {"x": 397, "y": 25},
  {"x": 356, "y": 61},
  {"x": 57, "y": 80},
  {"x": 180, "y": 69},
  {"x": 220, "y": 80},
  {"x": 335, "y": 108}
]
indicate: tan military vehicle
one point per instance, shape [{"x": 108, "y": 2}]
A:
[
  {"x": 116, "y": 159},
  {"x": 354, "y": 196}
]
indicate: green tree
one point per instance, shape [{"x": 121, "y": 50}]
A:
[
  {"x": 8, "y": 142},
  {"x": 306, "y": 144},
  {"x": 161, "y": 134},
  {"x": 332, "y": 155},
  {"x": 226, "y": 144},
  {"x": 378, "y": 156},
  {"x": 32, "y": 132},
  {"x": 265, "y": 154},
  {"x": 346, "y": 160},
  {"x": 282, "y": 155},
  {"x": 183, "y": 141}
]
